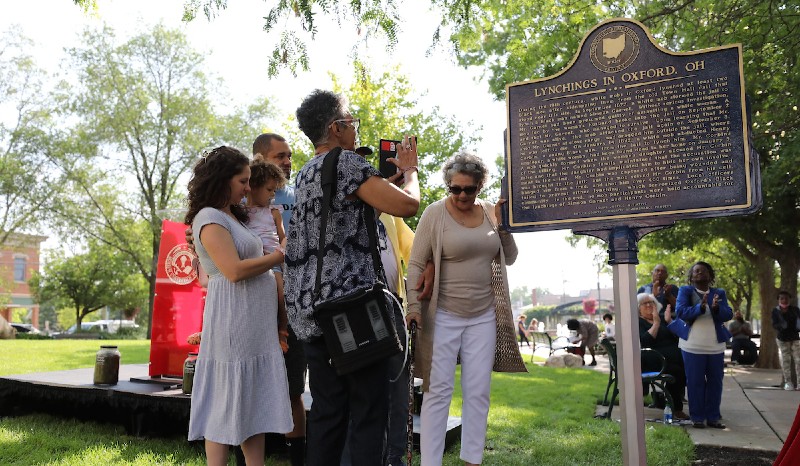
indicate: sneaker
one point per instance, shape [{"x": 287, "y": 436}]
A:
[
  {"x": 698, "y": 425},
  {"x": 680, "y": 415},
  {"x": 593, "y": 363},
  {"x": 788, "y": 386}
]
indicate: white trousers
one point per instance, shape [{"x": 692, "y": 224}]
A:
[{"x": 474, "y": 338}]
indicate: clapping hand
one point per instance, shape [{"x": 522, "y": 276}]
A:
[{"x": 715, "y": 303}]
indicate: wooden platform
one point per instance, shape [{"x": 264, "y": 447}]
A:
[
  {"x": 143, "y": 405},
  {"x": 158, "y": 408}
]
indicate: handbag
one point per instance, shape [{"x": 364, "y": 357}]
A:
[{"x": 358, "y": 327}]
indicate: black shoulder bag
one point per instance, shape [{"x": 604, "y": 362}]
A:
[{"x": 357, "y": 327}]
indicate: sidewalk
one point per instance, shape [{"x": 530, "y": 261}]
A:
[{"x": 758, "y": 413}]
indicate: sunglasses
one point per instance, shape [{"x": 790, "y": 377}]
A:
[{"x": 457, "y": 190}]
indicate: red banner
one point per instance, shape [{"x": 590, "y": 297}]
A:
[{"x": 178, "y": 303}]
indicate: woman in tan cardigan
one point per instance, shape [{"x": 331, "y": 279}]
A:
[{"x": 468, "y": 312}]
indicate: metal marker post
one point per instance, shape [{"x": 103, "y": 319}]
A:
[{"x": 623, "y": 259}]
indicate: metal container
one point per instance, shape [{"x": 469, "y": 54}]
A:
[
  {"x": 188, "y": 373},
  {"x": 106, "y": 366}
]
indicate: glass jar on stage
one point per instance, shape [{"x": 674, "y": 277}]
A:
[
  {"x": 106, "y": 365},
  {"x": 188, "y": 373}
]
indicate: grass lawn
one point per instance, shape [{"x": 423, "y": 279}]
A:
[{"x": 543, "y": 417}]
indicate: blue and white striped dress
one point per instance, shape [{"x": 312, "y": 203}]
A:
[{"x": 240, "y": 386}]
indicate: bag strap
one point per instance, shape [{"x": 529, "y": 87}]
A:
[{"x": 328, "y": 179}]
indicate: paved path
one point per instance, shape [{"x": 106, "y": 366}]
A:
[{"x": 758, "y": 413}]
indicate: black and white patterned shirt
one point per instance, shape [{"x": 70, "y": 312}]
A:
[{"x": 348, "y": 261}]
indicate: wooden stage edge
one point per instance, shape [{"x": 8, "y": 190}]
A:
[{"x": 145, "y": 406}]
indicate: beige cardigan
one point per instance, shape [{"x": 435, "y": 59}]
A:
[{"x": 428, "y": 246}]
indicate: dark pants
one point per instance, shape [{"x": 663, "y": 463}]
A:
[
  {"x": 523, "y": 338},
  {"x": 398, "y": 410},
  {"x": 677, "y": 389},
  {"x": 704, "y": 374},
  {"x": 746, "y": 346},
  {"x": 360, "y": 397}
]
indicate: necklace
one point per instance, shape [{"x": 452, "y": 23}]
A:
[{"x": 455, "y": 209}]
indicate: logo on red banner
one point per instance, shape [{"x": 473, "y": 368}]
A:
[{"x": 178, "y": 265}]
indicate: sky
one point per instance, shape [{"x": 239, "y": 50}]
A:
[{"x": 237, "y": 49}]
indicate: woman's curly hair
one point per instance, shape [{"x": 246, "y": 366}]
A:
[
  {"x": 210, "y": 183},
  {"x": 468, "y": 164},
  {"x": 317, "y": 112},
  {"x": 262, "y": 171}
]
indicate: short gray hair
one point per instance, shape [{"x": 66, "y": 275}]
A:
[
  {"x": 643, "y": 296},
  {"x": 467, "y": 164}
]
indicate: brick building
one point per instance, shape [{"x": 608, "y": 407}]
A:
[{"x": 19, "y": 259}]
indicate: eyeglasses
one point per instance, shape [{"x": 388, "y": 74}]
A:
[
  {"x": 648, "y": 303},
  {"x": 457, "y": 190},
  {"x": 354, "y": 122}
]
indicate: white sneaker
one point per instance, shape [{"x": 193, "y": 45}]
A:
[{"x": 788, "y": 386}]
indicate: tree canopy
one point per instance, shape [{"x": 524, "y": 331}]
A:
[
  {"x": 89, "y": 281},
  {"x": 386, "y": 105},
  {"x": 27, "y": 138},
  {"x": 144, "y": 110}
]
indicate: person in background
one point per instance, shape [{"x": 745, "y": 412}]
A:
[
  {"x": 587, "y": 335},
  {"x": 610, "y": 331},
  {"x": 653, "y": 334},
  {"x": 242, "y": 301},
  {"x": 522, "y": 331},
  {"x": 741, "y": 342},
  {"x": 664, "y": 292},
  {"x": 361, "y": 397},
  {"x": 470, "y": 251},
  {"x": 533, "y": 326},
  {"x": 705, "y": 309},
  {"x": 273, "y": 148},
  {"x": 785, "y": 322}
]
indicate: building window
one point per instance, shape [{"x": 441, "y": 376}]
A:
[{"x": 20, "y": 268}]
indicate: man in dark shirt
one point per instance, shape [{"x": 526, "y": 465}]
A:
[{"x": 664, "y": 293}]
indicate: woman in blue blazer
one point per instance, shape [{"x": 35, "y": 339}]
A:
[{"x": 705, "y": 310}]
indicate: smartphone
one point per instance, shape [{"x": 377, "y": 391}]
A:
[{"x": 387, "y": 149}]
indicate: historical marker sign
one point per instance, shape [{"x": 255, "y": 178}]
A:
[{"x": 630, "y": 134}]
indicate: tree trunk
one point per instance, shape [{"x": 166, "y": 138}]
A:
[
  {"x": 790, "y": 266},
  {"x": 78, "y": 320},
  {"x": 768, "y": 352}
]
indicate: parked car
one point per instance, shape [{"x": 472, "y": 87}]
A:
[
  {"x": 110, "y": 326},
  {"x": 25, "y": 328}
]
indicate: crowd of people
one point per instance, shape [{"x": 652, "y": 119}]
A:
[
  {"x": 260, "y": 247},
  {"x": 687, "y": 326},
  {"x": 258, "y": 240}
]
